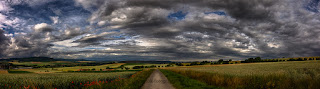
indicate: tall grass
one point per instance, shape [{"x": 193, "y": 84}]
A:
[
  {"x": 253, "y": 81},
  {"x": 56, "y": 80},
  {"x": 183, "y": 82},
  {"x": 135, "y": 81},
  {"x": 286, "y": 75}
]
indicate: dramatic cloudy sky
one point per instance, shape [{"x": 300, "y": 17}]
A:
[{"x": 159, "y": 29}]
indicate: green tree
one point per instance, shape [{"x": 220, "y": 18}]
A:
[
  {"x": 122, "y": 66},
  {"x": 220, "y": 61},
  {"x": 257, "y": 59}
]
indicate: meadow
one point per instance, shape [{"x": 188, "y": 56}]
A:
[{"x": 279, "y": 75}]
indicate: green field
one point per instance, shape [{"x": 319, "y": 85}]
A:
[
  {"x": 66, "y": 69},
  {"x": 57, "y": 80},
  {"x": 42, "y": 63},
  {"x": 280, "y": 75},
  {"x": 300, "y": 68}
]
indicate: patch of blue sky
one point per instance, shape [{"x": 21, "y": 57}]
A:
[
  {"x": 114, "y": 30},
  {"x": 222, "y": 13},
  {"x": 70, "y": 14},
  {"x": 313, "y": 6},
  {"x": 177, "y": 15},
  {"x": 8, "y": 29}
]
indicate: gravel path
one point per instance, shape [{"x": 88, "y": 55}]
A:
[{"x": 157, "y": 81}]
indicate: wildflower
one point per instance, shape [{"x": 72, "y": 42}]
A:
[
  {"x": 99, "y": 81},
  {"x": 80, "y": 83},
  {"x": 72, "y": 82}
]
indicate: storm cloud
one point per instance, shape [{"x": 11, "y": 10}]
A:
[{"x": 165, "y": 29}]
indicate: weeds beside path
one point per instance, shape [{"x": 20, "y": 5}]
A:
[{"x": 183, "y": 82}]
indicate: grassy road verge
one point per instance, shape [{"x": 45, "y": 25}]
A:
[
  {"x": 183, "y": 82},
  {"x": 136, "y": 81}
]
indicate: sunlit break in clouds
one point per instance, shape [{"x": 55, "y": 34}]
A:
[{"x": 159, "y": 29}]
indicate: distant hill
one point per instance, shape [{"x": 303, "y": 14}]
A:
[
  {"x": 152, "y": 62},
  {"x": 39, "y": 59}
]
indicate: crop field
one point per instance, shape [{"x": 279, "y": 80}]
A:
[
  {"x": 283, "y": 75},
  {"x": 41, "y": 63},
  {"x": 57, "y": 80},
  {"x": 265, "y": 68},
  {"x": 65, "y": 69},
  {"x": 116, "y": 65},
  {"x": 130, "y": 65}
]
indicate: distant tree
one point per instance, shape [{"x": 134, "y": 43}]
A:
[
  {"x": 257, "y": 59},
  {"x": 291, "y": 59},
  {"x": 204, "y": 62},
  {"x": 220, "y": 61},
  {"x": 93, "y": 69},
  {"x": 249, "y": 60},
  {"x": 194, "y": 63},
  {"x": 153, "y": 66},
  {"x": 137, "y": 67},
  {"x": 127, "y": 68},
  {"x": 230, "y": 60},
  {"x": 122, "y": 66},
  {"x": 299, "y": 59}
]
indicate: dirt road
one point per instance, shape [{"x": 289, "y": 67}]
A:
[{"x": 157, "y": 81}]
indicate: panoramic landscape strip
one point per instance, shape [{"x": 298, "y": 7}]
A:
[{"x": 297, "y": 73}]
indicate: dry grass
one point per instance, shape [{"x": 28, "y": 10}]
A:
[
  {"x": 280, "y": 75},
  {"x": 56, "y": 80},
  {"x": 3, "y": 71}
]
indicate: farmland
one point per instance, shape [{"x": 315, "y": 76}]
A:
[
  {"x": 66, "y": 74},
  {"x": 75, "y": 68},
  {"x": 297, "y": 74},
  {"x": 89, "y": 74},
  {"x": 57, "y": 80}
]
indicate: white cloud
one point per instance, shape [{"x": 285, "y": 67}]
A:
[
  {"x": 55, "y": 19},
  {"x": 89, "y": 4},
  {"x": 42, "y": 27},
  {"x": 4, "y": 20},
  {"x": 66, "y": 43},
  {"x": 101, "y": 23},
  {"x": 4, "y": 7}
]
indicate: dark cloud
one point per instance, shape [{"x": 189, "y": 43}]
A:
[
  {"x": 252, "y": 28},
  {"x": 3, "y": 42},
  {"x": 144, "y": 29}
]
